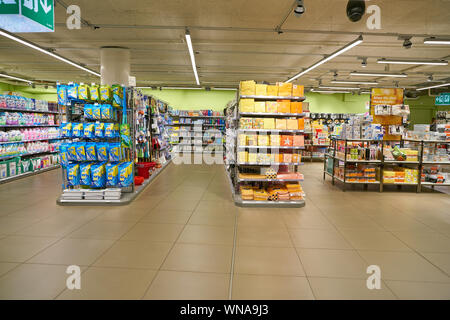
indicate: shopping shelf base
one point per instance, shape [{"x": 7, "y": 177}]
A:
[{"x": 126, "y": 199}]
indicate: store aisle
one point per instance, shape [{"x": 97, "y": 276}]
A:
[{"x": 184, "y": 239}]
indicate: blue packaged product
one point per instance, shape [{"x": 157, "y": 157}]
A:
[
  {"x": 89, "y": 130},
  {"x": 81, "y": 151},
  {"x": 112, "y": 174},
  {"x": 63, "y": 155},
  {"x": 62, "y": 95},
  {"x": 72, "y": 91},
  {"x": 125, "y": 174},
  {"x": 114, "y": 152},
  {"x": 98, "y": 175},
  {"x": 72, "y": 152},
  {"x": 102, "y": 151},
  {"x": 106, "y": 112},
  {"x": 91, "y": 151},
  {"x": 117, "y": 95},
  {"x": 109, "y": 130},
  {"x": 96, "y": 112},
  {"x": 77, "y": 130},
  {"x": 99, "y": 129},
  {"x": 66, "y": 130},
  {"x": 73, "y": 174},
  {"x": 85, "y": 174},
  {"x": 88, "y": 111}
]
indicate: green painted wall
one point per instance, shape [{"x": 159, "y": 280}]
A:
[
  {"x": 39, "y": 93},
  {"x": 337, "y": 103}
]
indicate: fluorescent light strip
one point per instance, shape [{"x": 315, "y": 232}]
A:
[
  {"x": 436, "y": 41},
  {"x": 191, "y": 54},
  {"x": 182, "y": 88},
  {"x": 435, "y": 86},
  {"x": 14, "y": 78},
  {"x": 329, "y": 91},
  {"x": 339, "y": 88},
  {"x": 332, "y": 56},
  {"x": 54, "y": 55},
  {"x": 354, "y": 82},
  {"x": 373, "y": 74},
  {"x": 422, "y": 62}
]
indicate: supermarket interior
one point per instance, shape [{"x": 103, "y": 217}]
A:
[{"x": 225, "y": 150}]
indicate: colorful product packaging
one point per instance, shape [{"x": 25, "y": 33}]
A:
[
  {"x": 97, "y": 112},
  {"x": 77, "y": 130},
  {"x": 114, "y": 152},
  {"x": 125, "y": 174},
  {"x": 88, "y": 111},
  {"x": 91, "y": 151},
  {"x": 271, "y": 107},
  {"x": 72, "y": 152},
  {"x": 84, "y": 92},
  {"x": 66, "y": 130},
  {"x": 106, "y": 112},
  {"x": 89, "y": 130},
  {"x": 105, "y": 93},
  {"x": 72, "y": 91},
  {"x": 81, "y": 151},
  {"x": 247, "y": 105},
  {"x": 261, "y": 90},
  {"x": 112, "y": 174},
  {"x": 73, "y": 174},
  {"x": 248, "y": 88},
  {"x": 94, "y": 92},
  {"x": 62, "y": 95},
  {"x": 110, "y": 130},
  {"x": 117, "y": 92},
  {"x": 100, "y": 130},
  {"x": 98, "y": 175},
  {"x": 85, "y": 174},
  {"x": 102, "y": 151}
]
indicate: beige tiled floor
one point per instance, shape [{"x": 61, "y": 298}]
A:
[{"x": 183, "y": 238}]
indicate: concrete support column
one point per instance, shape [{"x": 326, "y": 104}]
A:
[{"x": 115, "y": 65}]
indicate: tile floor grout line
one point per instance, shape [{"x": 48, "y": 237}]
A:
[{"x": 175, "y": 241}]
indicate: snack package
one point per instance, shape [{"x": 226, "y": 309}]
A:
[
  {"x": 73, "y": 174},
  {"x": 110, "y": 130},
  {"x": 292, "y": 124},
  {"x": 271, "y": 107},
  {"x": 298, "y": 90},
  {"x": 62, "y": 95},
  {"x": 252, "y": 139},
  {"x": 88, "y": 111},
  {"x": 114, "y": 152},
  {"x": 299, "y": 141},
  {"x": 112, "y": 174},
  {"x": 281, "y": 124},
  {"x": 261, "y": 89},
  {"x": 125, "y": 135},
  {"x": 125, "y": 174},
  {"x": 284, "y": 106},
  {"x": 260, "y": 106},
  {"x": 77, "y": 130},
  {"x": 275, "y": 140},
  {"x": 248, "y": 88},
  {"x": 246, "y": 123},
  {"x": 66, "y": 130},
  {"x": 72, "y": 152},
  {"x": 247, "y": 105},
  {"x": 286, "y": 141},
  {"x": 272, "y": 91},
  {"x": 105, "y": 93},
  {"x": 94, "y": 92},
  {"x": 91, "y": 151},
  {"x": 301, "y": 124},
  {"x": 81, "y": 151},
  {"x": 106, "y": 112},
  {"x": 63, "y": 155},
  {"x": 285, "y": 89},
  {"x": 258, "y": 123},
  {"x": 296, "y": 107},
  {"x": 99, "y": 130},
  {"x": 85, "y": 174},
  {"x": 72, "y": 91},
  {"x": 89, "y": 130},
  {"x": 84, "y": 92},
  {"x": 98, "y": 175},
  {"x": 102, "y": 151},
  {"x": 269, "y": 123},
  {"x": 97, "y": 112},
  {"x": 117, "y": 96}
]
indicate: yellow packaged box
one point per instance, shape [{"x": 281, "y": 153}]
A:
[
  {"x": 252, "y": 157},
  {"x": 287, "y": 157},
  {"x": 281, "y": 124},
  {"x": 298, "y": 90},
  {"x": 261, "y": 90},
  {"x": 271, "y": 106},
  {"x": 246, "y": 123},
  {"x": 285, "y": 89},
  {"x": 247, "y": 105},
  {"x": 260, "y": 106},
  {"x": 292, "y": 124},
  {"x": 263, "y": 140},
  {"x": 258, "y": 123},
  {"x": 296, "y": 107},
  {"x": 248, "y": 88},
  {"x": 275, "y": 140},
  {"x": 284, "y": 106},
  {"x": 242, "y": 156},
  {"x": 269, "y": 123},
  {"x": 301, "y": 124},
  {"x": 272, "y": 90}
]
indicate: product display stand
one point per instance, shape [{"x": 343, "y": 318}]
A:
[
  {"x": 240, "y": 170},
  {"x": 341, "y": 160}
]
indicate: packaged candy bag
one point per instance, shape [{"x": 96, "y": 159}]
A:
[
  {"x": 112, "y": 174},
  {"x": 72, "y": 152},
  {"x": 106, "y": 112},
  {"x": 72, "y": 91},
  {"x": 94, "y": 92},
  {"x": 96, "y": 112},
  {"x": 114, "y": 152},
  {"x": 105, "y": 93},
  {"x": 102, "y": 151},
  {"x": 66, "y": 130},
  {"x": 84, "y": 92},
  {"x": 73, "y": 174},
  {"x": 100, "y": 130},
  {"x": 88, "y": 111},
  {"x": 125, "y": 136},
  {"x": 98, "y": 175},
  {"x": 110, "y": 130},
  {"x": 89, "y": 130},
  {"x": 125, "y": 174},
  {"x": 117, "y": 95},
  {"x": 91, "y": 151},
  {"x": 63, "y": 155},
  {"x": 62, "y": 95},
  {"x": 85, "y": 174}
]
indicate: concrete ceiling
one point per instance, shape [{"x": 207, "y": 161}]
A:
[{"x": 235, "y": 40}]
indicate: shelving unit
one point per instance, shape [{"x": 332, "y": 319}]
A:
[
  {"x": 235, "y": 167},
  {"x": 331, "y": 156}
]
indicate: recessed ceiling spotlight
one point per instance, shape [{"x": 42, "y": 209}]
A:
[
  {"x": 430, "y": 78},
  {"x": 364, "y": 63},
  {"x": 407, "y": 44},
  {"x": 299, "y": 10}
]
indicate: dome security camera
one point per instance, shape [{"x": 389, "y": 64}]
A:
[
  {"x": 299, "y": 9},
  {"x": 355, "y": 10}
]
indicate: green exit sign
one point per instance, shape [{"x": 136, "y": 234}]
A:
[
  {"x": 27, "y": 15},
  {"x": 443, "y": 99}
]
